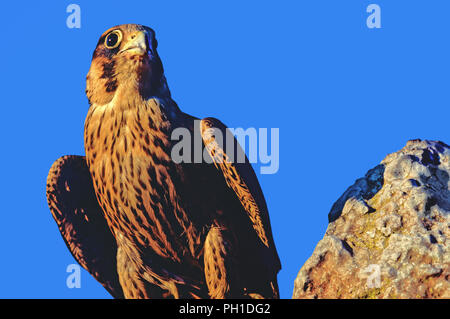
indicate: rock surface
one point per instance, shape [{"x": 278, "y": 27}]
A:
[{"x": 388, "y": 235}]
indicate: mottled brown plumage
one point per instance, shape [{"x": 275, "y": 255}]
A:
[
  {"x": 80, "y": 220},
  {"x": 177, "y": 230}
]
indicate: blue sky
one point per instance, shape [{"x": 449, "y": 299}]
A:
[{"x": 342, "y": 95}]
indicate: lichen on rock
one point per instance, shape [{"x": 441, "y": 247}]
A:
[{"x": 388, "y": 233}]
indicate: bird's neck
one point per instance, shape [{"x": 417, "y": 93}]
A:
[
  {"x": 132, "y": 95},
  {"x": 119, "y": 126},
  {"x": 126, "y": 117}
]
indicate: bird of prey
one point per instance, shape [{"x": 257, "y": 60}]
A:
[{"x": 142, "y": 224}]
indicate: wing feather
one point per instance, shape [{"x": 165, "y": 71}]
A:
[
  {"x": 241, "y": 178},
  {"x": 74, "y": 206}
]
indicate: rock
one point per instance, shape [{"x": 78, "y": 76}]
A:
[{"x": 388, "y": 234}]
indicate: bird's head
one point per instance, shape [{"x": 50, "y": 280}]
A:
[{"x": 125, "y": 60}]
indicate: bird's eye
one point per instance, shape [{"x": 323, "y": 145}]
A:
[{"x": 113, "y": 39}]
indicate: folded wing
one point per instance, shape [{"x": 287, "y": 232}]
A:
[
  {"x": 74, "y": 206},
  {"x": 241, "y": 178}
]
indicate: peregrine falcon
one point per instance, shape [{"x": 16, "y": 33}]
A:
[{"x": 143, "y": 225}]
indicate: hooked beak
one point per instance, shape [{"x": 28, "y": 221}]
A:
[{"x": 138, "y": 43}]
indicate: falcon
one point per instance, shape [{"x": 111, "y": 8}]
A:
[{"x": 144, "y": 225}]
